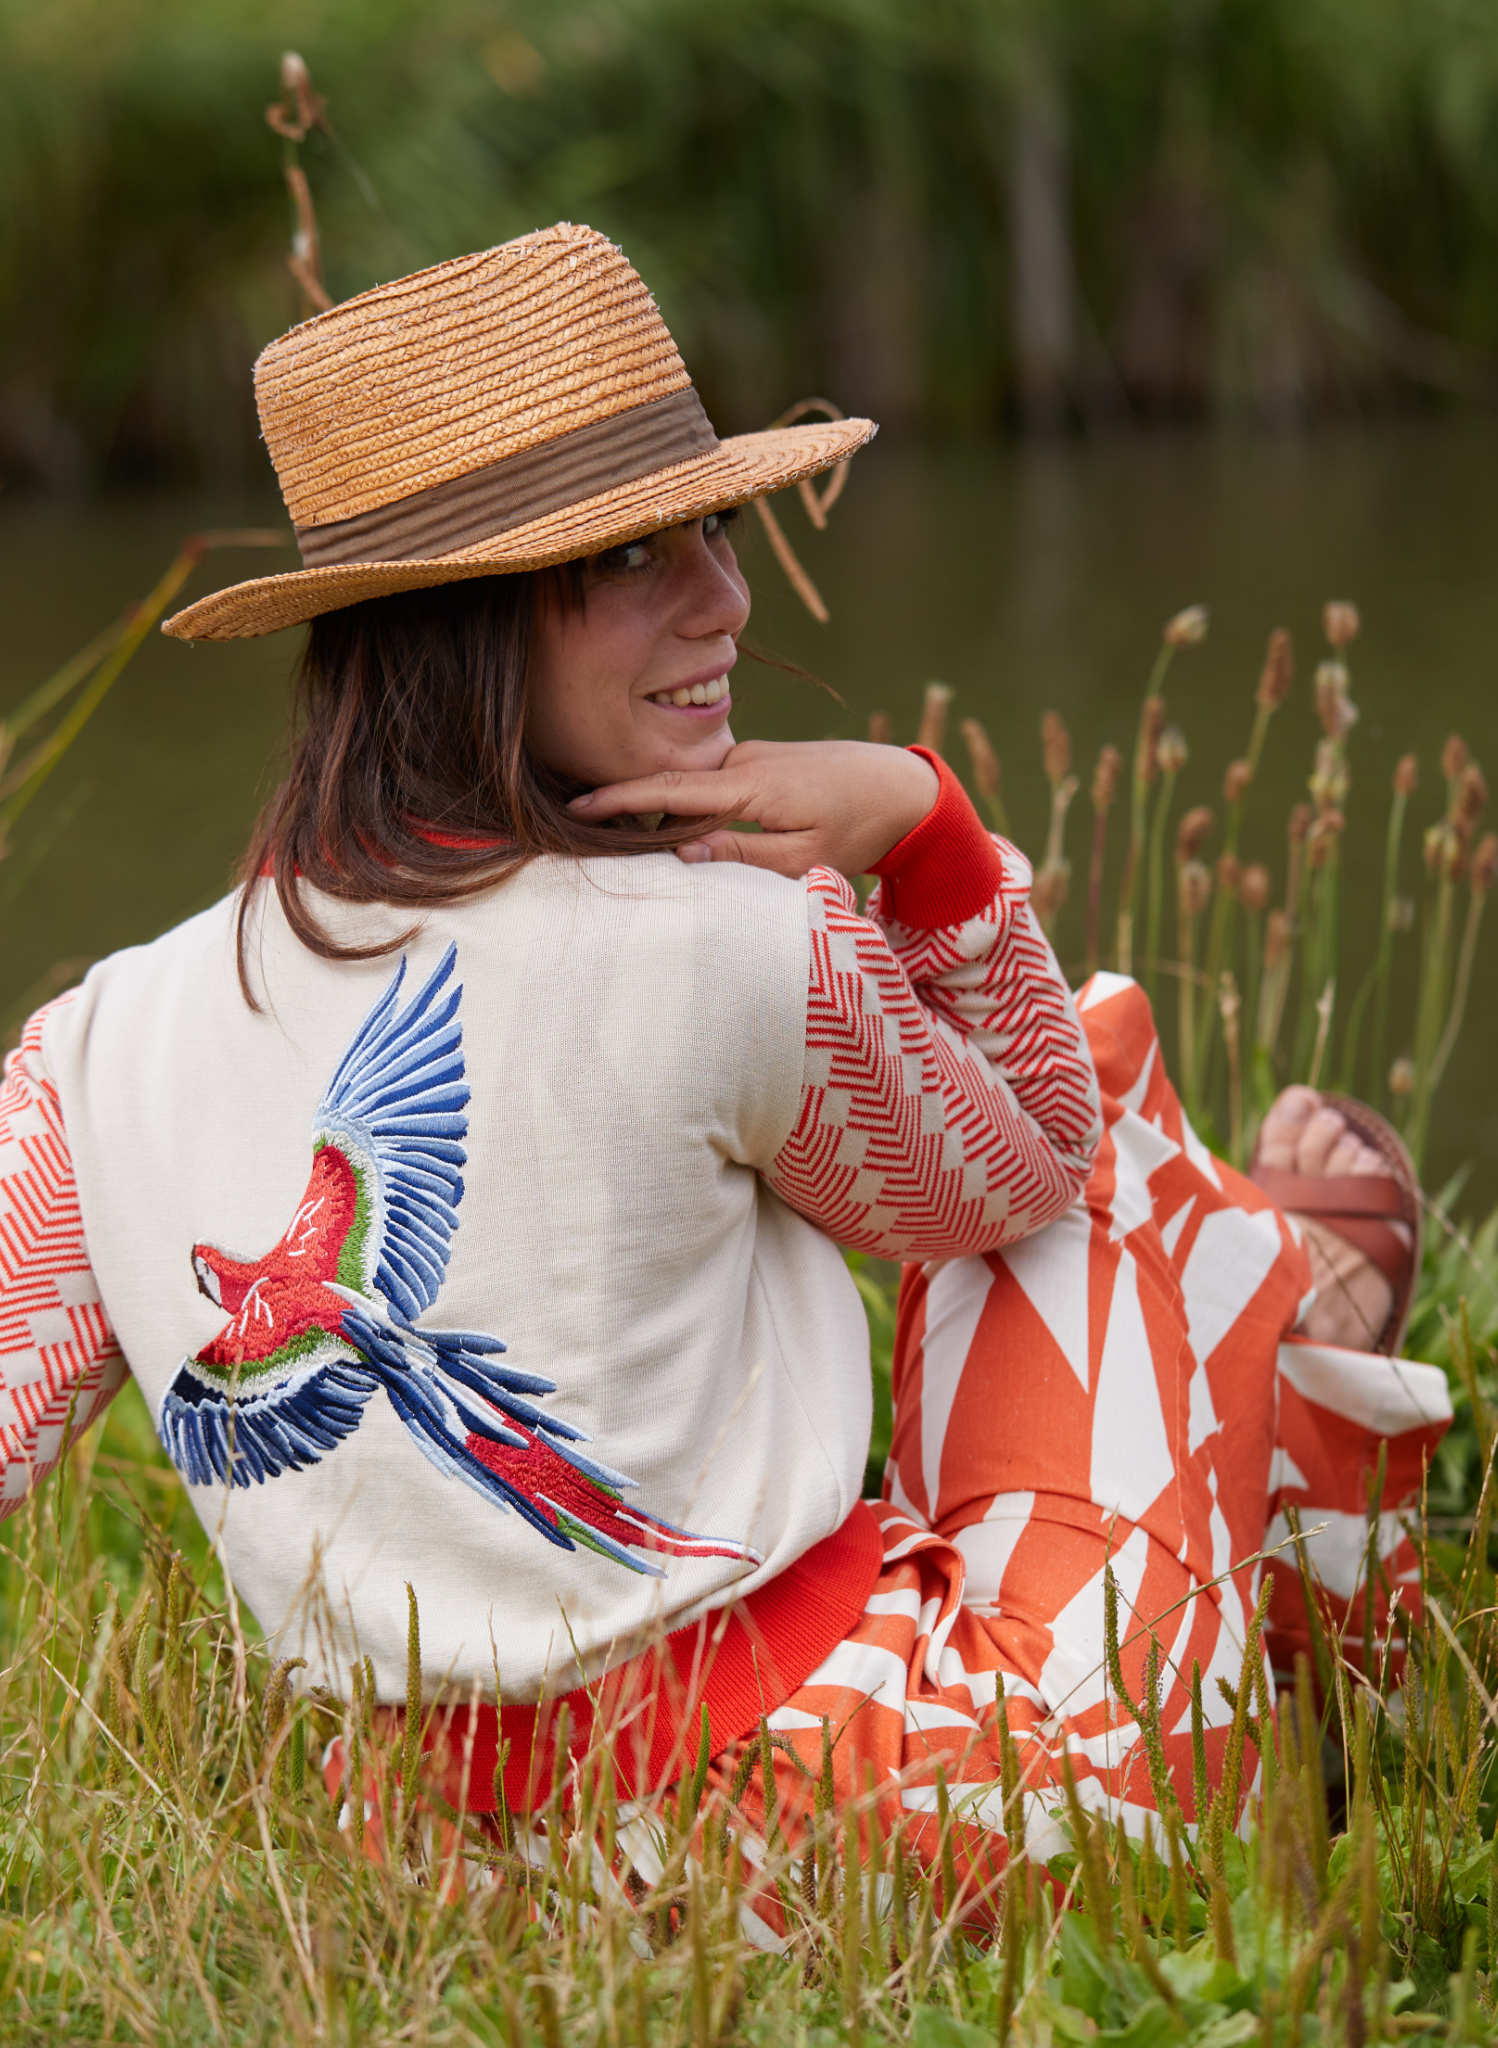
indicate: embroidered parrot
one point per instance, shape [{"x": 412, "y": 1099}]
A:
[{"x": 328, "y": 1317}]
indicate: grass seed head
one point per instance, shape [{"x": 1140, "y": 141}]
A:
[
  {"x": 1334, "y": 706},
  {"x": 1300, "y": 823},
  {"x": 1171, "y": 751},
  {"x": 1402, "y": 1076},
  {"x": 1187, "y": 628},
  {"x": 934, "y": 715},
  {"x": 1195, "y": 887},
  {"x": 1406, "y": 775},
  {"x": 980, "y": 752},
  {"x": 1229, "y": 874},
  {"x": 1192, "y": 831},
  {"x": 1471, "y": 798},
  {"x": 880, "y": 731},
  {"x": 1278, "y": 672},
  {"x": 1276, "y": 937},
  {"x": 1444, "y": 853},
  {"x": 1328, "y": 783},
  {"x": 1055, "y": 743},
  {"x": 1325, "y": 834},
  {"x": 1105, "y": 777},
  {"x": 1340, "y": 623},
  {"x": 1454, "y": 756},
  {"x": 1485, "y": 863},
  {"x": 1254, "y": 887},
  {"x": 1235, "y": 782}
]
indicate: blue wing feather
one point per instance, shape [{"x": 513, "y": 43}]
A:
[
  {"x": 398, "y": 1100},
  {"x": 248, "y": 1437}
]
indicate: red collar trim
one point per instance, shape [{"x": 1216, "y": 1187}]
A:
[{"x": 455, "y": 842}]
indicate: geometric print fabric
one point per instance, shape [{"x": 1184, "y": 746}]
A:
[
  {"x": 1122, "y": 1389},
  {"x": 59, "y": 1362}
]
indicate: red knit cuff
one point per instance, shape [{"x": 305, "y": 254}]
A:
[{"x": 947, "y": 869}]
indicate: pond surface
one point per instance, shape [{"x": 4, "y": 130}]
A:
[{"x": 1029, "y": 579}]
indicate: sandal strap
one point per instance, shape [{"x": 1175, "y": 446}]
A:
[
  {"x": 1332, "y": 1195},
  {"x": 1381, "y": 1246},
  {"x": 1355, "y": 1205}
]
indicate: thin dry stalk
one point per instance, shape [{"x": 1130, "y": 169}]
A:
[
  {"x": 933, "y": 727},
  {"x": 1105, "y": 779},
  {"x": 987, "y": 771},
  {"x": 1186, "y": 629},
  {"x": 785, "y": 555},
  {"x": 293, "y": 118}
]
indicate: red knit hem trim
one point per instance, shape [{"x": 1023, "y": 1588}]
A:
[
  {"x": 734, "y": 1665},
  {"x": 947, "y": 869}
]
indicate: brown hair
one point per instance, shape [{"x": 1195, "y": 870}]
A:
[{"x": 410, "y": 780}]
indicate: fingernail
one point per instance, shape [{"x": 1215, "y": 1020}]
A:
[
  {"x": 694, "y": 849},
  {"x": 581, "y": 803}
]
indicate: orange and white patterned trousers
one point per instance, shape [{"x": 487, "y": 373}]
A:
[{"x": 1122, "y": 1390}]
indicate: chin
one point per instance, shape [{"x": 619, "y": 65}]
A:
[{"x": 706, "y": 754}]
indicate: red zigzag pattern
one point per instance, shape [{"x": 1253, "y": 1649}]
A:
[
  {"x": 950, "y": 1103},
  {"x": 59, "y": 1361}
]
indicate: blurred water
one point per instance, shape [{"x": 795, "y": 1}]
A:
[{"x": 1029, "y": 579}]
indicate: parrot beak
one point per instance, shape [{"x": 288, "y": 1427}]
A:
[{"x": 207, "y": 1278}]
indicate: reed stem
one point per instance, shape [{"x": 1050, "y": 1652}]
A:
[
  {"x": 1375, "y": 983},
  {"x": 1461, "y": 990},
  {"x": 1431, "y": 1010},
  {"x": 1151, "y": 717},
  {"x": 1157, "y": 878},
  {"x": 1095, "y": 889}
]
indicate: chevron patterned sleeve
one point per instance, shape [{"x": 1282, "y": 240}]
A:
[
  {"x": 59, "y": 1362},
  {"x": 949, "y": 1103}
]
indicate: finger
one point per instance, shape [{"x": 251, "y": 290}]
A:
[
  {"x": 684, "y": 793},
  {"x": 783, "y": 853}
]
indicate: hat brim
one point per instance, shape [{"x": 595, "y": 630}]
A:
[{"x": 744, "y": 467}]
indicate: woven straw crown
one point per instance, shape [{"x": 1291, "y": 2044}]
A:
[{"x": 506, "y": 410}]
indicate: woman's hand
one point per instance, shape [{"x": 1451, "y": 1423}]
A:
[{"x": 823, "y": 803}]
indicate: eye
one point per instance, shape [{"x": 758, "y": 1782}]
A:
[
  {"x": 716, "y": 524},
  {"x": 625, "y": 560}
]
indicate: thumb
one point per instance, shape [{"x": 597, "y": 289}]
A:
[{"x": 783, "y": 853}]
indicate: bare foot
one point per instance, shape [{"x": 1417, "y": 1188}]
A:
[{"x": 1303, "y": 1134}]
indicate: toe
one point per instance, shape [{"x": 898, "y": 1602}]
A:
[
  {"x": 1349, "y": 1155},
  {"x": 1280, "y": 1132},
  {"x": 1318, "y": 1138}
]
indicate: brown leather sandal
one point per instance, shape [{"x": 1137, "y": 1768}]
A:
[{"x": 1360, "y": 1207}]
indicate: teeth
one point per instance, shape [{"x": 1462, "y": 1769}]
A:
[{"x": 699, "y": 693}]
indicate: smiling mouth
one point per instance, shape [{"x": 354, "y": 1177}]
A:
[{"x": 694, "y": 697}]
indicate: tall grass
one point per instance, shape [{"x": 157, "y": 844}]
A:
[
  {"x": 173, "y": 1869},
  {"x": 1231, "y": 915}
]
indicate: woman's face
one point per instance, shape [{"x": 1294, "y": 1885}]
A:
[{"x": 636, "y": 679}]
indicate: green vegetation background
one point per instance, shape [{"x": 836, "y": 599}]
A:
[{"x": 949, "y": 213}]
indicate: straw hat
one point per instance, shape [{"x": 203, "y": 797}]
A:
[{"x": 499, "y": 412}]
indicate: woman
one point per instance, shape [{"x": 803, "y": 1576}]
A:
[{"x": 466, "y": 1198}]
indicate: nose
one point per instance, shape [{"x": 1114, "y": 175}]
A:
[{"x": 714, "y": 597}]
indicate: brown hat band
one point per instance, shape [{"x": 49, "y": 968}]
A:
[{"x": 563, "y": 471}]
